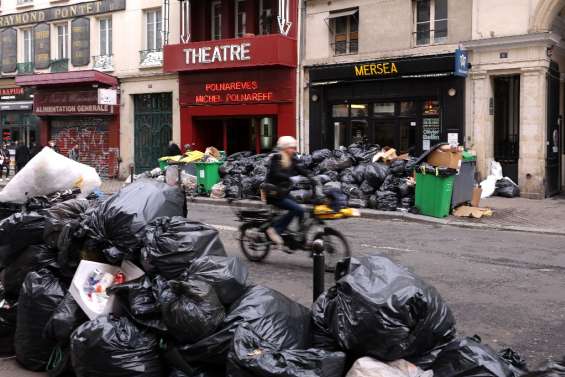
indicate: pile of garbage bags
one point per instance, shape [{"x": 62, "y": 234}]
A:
[
  {"x": 497, "y": 184},
  {"x": 385, "y": 186}
]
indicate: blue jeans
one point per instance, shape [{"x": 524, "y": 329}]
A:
[{"x": 294, "y": 210}]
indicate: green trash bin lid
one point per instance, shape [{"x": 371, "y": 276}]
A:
[{"x": 468, "y": 156}]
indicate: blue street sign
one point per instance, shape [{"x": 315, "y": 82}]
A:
[{"x": 461, "y": 63}]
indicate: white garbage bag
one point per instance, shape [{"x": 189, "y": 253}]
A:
[
  {"x": 496, "y": 170},
  {"x": 488, "y": 186},
  {"x": 49, "y": 172},
  {"x": 369, "y": 367}
]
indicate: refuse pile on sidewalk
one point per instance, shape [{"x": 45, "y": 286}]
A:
[{"x": 371, "y": 177}]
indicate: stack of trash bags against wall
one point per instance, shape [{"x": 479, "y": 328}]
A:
[
  {"x": 385, "y": 185},
  {"x": 192, "y": 311},
  {"x": 497, "y": 184}
]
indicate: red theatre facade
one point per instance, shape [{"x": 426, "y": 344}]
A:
[{"x": 237, "y": 73}]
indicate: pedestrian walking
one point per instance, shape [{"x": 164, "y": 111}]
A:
[
  {"x": 22, "y": 155},
  {"x": 74, "y": 153},
  {"x": 173, "y": 149},
  {"x": 5, "y": 161},
  {"x": 35, "y": 149}
]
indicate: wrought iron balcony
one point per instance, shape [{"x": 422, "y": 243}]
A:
[
  {"x": 151, "y": 58},
  {"x": 59, "y": 65},
  {"x": 26, "y": 68},
  {"x": 103, "y": 63}
]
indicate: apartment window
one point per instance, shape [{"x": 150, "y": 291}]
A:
[
  {"x": 106, "y": 36},
  {"x": 63, "y": 41},
  {"x": 240, "y": 18},
  {"x": 22, "y": 2},
  {"x": 431, "y": 21},
  {"x": 154, "y": 26},
  {"x": 345, "y": 28},
  {"x": 28, "y": 45},
  {"x": 216, "y": 31},
  {"x": 265, "y": 17}
]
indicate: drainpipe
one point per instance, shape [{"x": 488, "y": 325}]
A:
[{"x": 300, "y": 77}]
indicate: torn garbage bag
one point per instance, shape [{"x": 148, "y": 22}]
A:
[
  {"x": 114, "y": 347},
  {"x": 383, "y": 311},
  {"x": 64, "y": 320},
  {"x": 228, "y": 276},
  {"x": 191, "y": 310},
  {"x": 171, "y": 244},
  {"x": 40, "y": 295},
  {"x": 468, "y": 357},
  {"x": 121, "y": 220},
  {"x": 252, "y": 356},
  {"x": 273, "y": 316}
]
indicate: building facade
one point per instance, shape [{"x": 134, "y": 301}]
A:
[{"x": 61, "y": 53}]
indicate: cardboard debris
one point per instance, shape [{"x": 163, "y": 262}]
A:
[
  {"x": 474, "y": 212},
  {"x": 476, "y": 198},
  {"x": 386, "y": 155},
  {"x": 446, "y": 156}
]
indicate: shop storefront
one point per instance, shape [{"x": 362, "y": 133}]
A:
[
  {"x": 238, "y": 94},
  {"x": 409, "y": 104},
  {"x": 16, "y": 117},
  {"x": 68, "y": 107}
]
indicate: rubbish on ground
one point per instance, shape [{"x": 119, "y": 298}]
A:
[
  {"x": 550, "y": 368},
  {"x": 474, "y": 212},
  {"x": 369, "y": 367},
  {"x": 18, "y": 232},
  {"x": 387, "y": 155},
  {"x": 476, "y": 199},
  {"x": 213, "y": 152},
  {"x": 218, "y": 191},
  {"x": 8, "y": 319},
  {"x": 92, "y": 279},
  {"x": 507, "y": 188},
  {"x": 384, "y": 311},
  {"x": 65, "y": 319},
  {"x": 112, "y": 346},
  {"x": 50, "y": 172}
]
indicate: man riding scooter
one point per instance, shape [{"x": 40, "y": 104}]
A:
[{"x": 283, "y": 166}]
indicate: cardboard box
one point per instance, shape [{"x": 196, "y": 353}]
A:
[
  {"x": 476, "y": 199},
  {"x": 95, "y": 309},
  {"x": 445, "y": 156}
]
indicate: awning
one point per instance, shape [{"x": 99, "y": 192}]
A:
[
  {"x": 67, "y": 78},
  {"x": 343, "y": 13}
]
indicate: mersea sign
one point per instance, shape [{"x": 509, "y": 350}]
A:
[{"x": 62, "y": 12}]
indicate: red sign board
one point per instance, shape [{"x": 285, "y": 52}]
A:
[
  {"x": 254, "y": 51},
  {"x": 237, "y": 87},
  {"x": 13, "y": 91},
  {"x": 79, "y": 102}
]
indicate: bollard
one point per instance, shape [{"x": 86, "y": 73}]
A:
[
  {"x": 131, "y": 171},
  {"x": 319, "y": 268}
]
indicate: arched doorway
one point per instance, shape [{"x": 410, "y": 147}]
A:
[{"x": 545, "y": 14}]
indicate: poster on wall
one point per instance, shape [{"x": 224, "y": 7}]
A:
[
  {"x": 42, "y": 44},
  {"x": 80, "y": 42},
  {"x": 431, "y": 132},
  {"x": 9, "y": 50}
]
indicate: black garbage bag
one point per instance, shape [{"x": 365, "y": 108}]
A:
[
  {"x": 60, "y": 215},
  {"x": 398, "y": 168},
  {"x": 346, "y": 176},
  {"x": 516, "y": 362},
  {"x": 260, "y": 170},
  {"x": 334, "y": 175},
  {"x": 40, "y": 295},
  {"x": 306, "y": 160},
  {"x": 172, "y": 243},
  {"x": 407, "y": 202},
  {"x": 301, "y": 183},
  {"x": 65, "y": 319},
  {"x": 273, "y": 316},
  {"x": 358, "y": 203},
  {"x": 239, "y": 155},
  {"x": 18, "y": 232},
  {"x": 367, "y": 189},
  {"x": 359, "y": 173},
  {"x": 352, "y": 191},
  {"x": 376, "y": 174},
  {"x": 191, "y": 310},
  {"x": 323, "y": 179},
  {"x": 228, "y": 276},
  {"x": 33, "y": 258},
  {"x": 301, "y": 196},
  {"x": 404, "y": 189},
  {"x": 337, "y": 199},
  {"x": 344, "y": 162},
  {"x": 392, "y": 183},
  {"x": 331, "y": 187},
  {"x": 384, "y": 311},
  {"x": 250, "y": 187},
  {"x": 8, "y": 319},
  {"x": 251, "y": 355},
  {"x": 320, "y": 155},
  {"x": 233, "y": 190},
  {"x": 468, "y": 357},
  {"x": 322, "y": 337},
  {"x": 114, "y": 347},
  {"x": 506, "y": 188},
  {"x": 550, "y": 368},
  {"x": 329, "y": 164},
  {"x": 121, "y": 220}
]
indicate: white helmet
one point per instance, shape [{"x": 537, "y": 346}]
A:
[{"x": 285, "y": 142}]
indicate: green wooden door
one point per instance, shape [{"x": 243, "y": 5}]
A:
[{"x": 153, "y": 129}]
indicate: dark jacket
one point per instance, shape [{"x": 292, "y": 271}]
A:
[
  {"x": 280, "y": 176},
  {"x": 173, "y": 150},
  {"x": 5, "y": 153},
  {"x": 22, "y": 155},
  {"x": 35, "y": 150}
]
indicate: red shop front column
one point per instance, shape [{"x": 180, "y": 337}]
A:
[{"x": 44, "y": 131}]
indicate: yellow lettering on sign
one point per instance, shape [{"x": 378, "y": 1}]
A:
[
  {"x": 393, "y": 68},
  {"x": 376, "y": 69},
  {"x": 358, "y": 71}
]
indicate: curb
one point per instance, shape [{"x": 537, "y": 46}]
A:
[{"x": 398, "y": 216}]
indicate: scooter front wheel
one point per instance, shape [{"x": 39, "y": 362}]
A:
[{"x": 254, "y": 243}]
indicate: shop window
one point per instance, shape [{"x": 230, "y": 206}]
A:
[
  {"x": 384, "y": 132},
  {"x": 216, "y": 24},
  {"x": 383, "y": 109},
  {"x": 430, "y": 18},
  {"x": 154, "y": 29},
  {"x": 340, "y": 111},
  {"x": 340, "y": 134},
  {"x": 359, "y": 131},
  {"x": 344, "y": 26},
  {"x": 358, "y": 110},
  {"x": 105, "y": 25},
  {"x": 28, "y": 45},
  {"x": 431, "y": 108},
  {"x": 240, "y": 18},
  {"x": 265, "y": 17},
  {"x": 63, "y": 41},
  {"x": 408, "y": 108}
]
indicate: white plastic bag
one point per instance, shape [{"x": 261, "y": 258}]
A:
[
  {"x": 369, "y": 367},
  {"x": 49, "y": 172},
  {"x": 410, "y": 370},
  {"x": 496, "y": 170},
  {"x": 488, "y": 186}
]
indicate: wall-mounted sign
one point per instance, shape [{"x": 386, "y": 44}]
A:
[
  {"x": 387, "y": 69},
  {"x": 15, "y": 93},
  {"x": 80, "y": 42},
  {"x": 69, "y": 103},
  {"x": 42, "y": 46},
  {"x": 107, "y": 96},
  {"x": 9, "y": 50},
  {"x": 62, "y": 12},
  {"x": 461, "y": 63},
  {"x": 217, "y": 54},
  {"x": 431, "y": 132}
]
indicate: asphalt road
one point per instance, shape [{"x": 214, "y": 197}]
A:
[{"x": 507, "y": 287}]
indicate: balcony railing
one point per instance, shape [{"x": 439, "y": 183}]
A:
[
  {"x": 59, "y": 65},
  {"x": 151, "y": 58},
  {"x": 103, "y": 63},
  {"x": 25, "y": 68}
]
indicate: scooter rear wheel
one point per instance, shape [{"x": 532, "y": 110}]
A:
[
  {"x": 254, "y": 243},
  {"x": 336, "y": 247}
]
